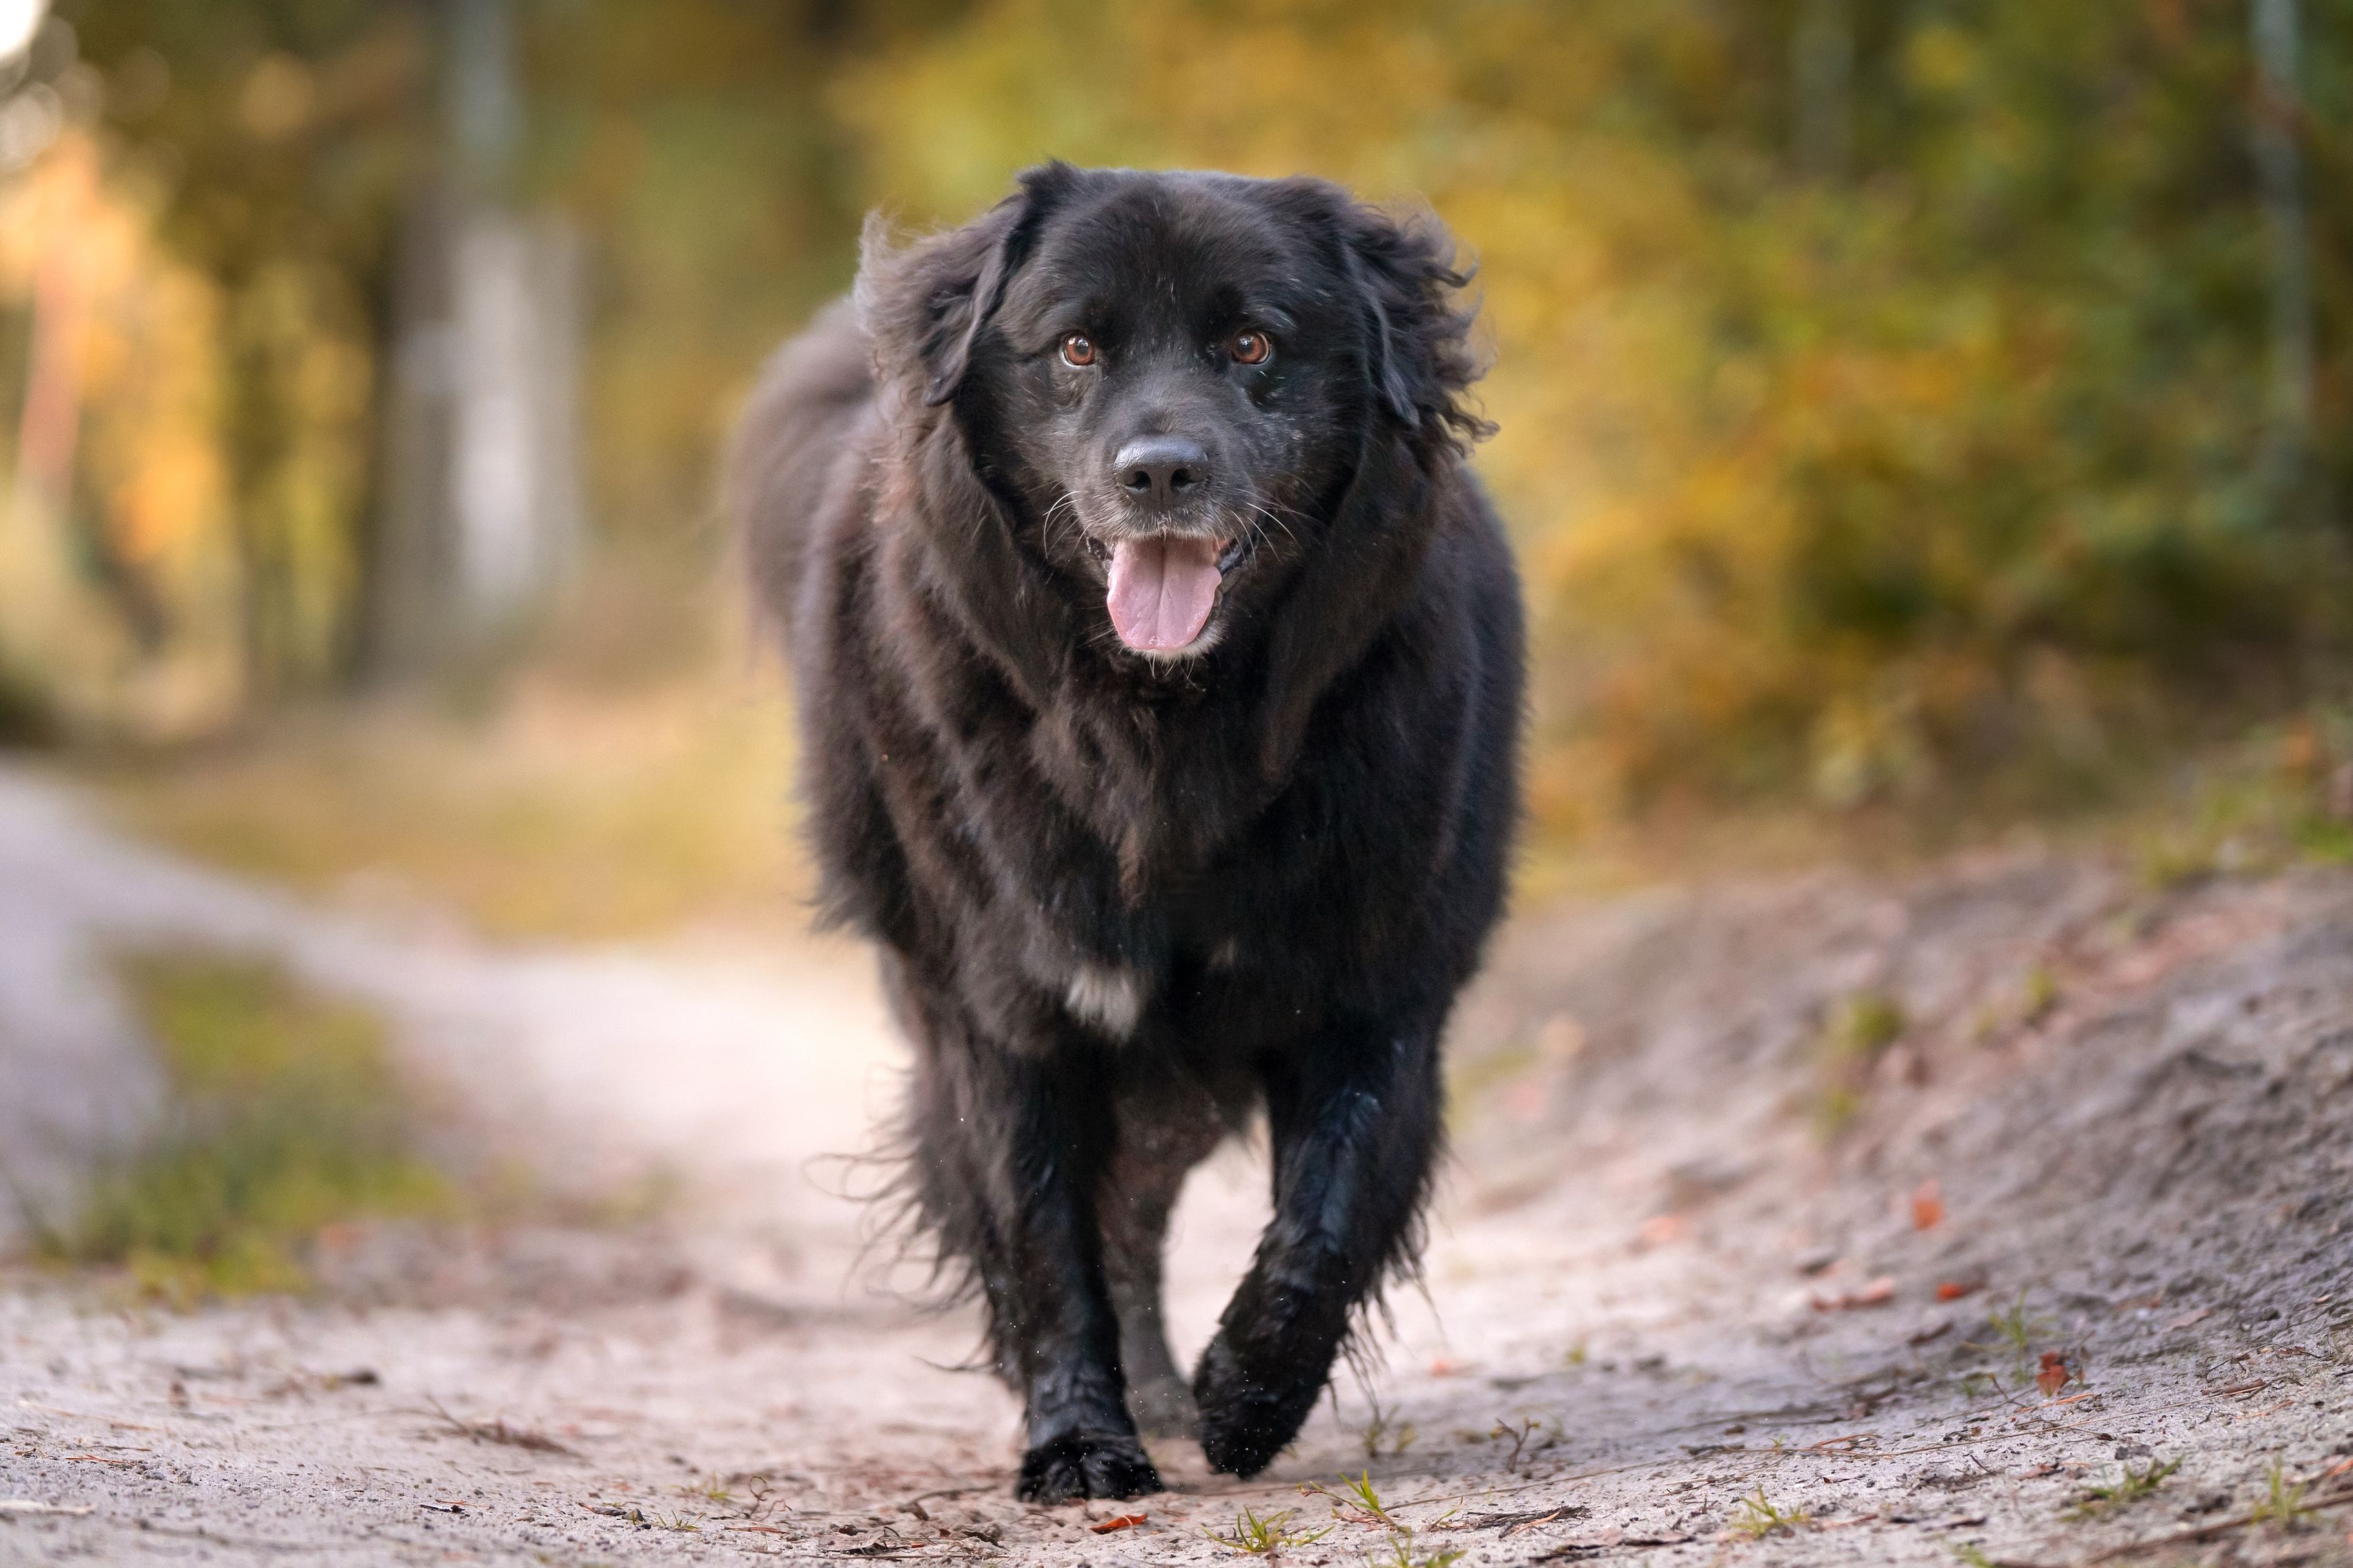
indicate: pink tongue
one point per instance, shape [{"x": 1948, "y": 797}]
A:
[{"x": 1162, "y": 590}]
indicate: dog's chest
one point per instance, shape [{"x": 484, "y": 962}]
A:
[{"x": 1129, "y": 871}]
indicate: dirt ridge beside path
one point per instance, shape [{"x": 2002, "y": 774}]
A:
[{"x": 1717, "y": 1152}]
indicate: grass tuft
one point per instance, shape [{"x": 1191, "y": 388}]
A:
[
  {"x": 1263, "y": 1535},
  {"x": 2016, "y": 1329},
  {"x": 2135, "y": 1486},
  {"x": 1851, "y": 1044},
  {"x": 1760, "y": 1516},
  {"x": 283, "y": 1116},
  {"x": 1361, "y": 1493},
  {"x": 1384, "y": 1433},
  {"x": 2283, "y": 1503},
  {"x": 1399, "y": 1551}
]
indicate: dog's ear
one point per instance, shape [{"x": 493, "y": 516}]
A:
[
  {"x": 927, "y": 306},
  {"x": 1417, "y": 367},
  {"x": 1417, "y": 353}
]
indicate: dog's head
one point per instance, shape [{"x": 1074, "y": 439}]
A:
[{"x": 1173, "y": 383}]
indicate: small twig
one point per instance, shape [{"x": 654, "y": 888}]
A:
[
  {"x": 23, "y": 1404},
  {"x": 17, "y": 1506},
  {"x": 499, "y": 1432},
  {"x": 1519, "y": 1435}
]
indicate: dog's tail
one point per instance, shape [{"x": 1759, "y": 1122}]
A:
[{"x": 790, "y": 452}]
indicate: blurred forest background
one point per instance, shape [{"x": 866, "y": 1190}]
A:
[{"x": 1916, "y": 418}]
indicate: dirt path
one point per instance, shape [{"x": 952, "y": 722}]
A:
[{"x": 2136, "y": 1111}]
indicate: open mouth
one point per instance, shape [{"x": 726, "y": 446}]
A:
[{"x": 1164, "y": 586}]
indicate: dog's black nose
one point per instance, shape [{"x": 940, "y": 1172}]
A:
[{"x": 1160, "y": 470}]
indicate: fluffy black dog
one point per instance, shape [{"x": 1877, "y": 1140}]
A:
[{"x": 1159, "y": 665}]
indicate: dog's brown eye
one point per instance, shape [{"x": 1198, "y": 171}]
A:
[
  {"x": 1078, "y": 349},
  {"x": 1250, "y": 348}
]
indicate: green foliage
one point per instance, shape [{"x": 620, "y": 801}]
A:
[
  {"x": 286, "y": 140},
  {"x": 2283, "y": 795},
  {"x": 1919, "y": 459},
  {"x": 283, "y": 1116},
  {"x": 1848, "y": 485}
]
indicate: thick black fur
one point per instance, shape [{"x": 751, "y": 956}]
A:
[{"x": 1126, "y": 901}]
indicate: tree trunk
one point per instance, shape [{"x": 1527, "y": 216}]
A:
[
  {"x": 2279, "y": 177},
  {"x": 1821, "y": 82},
  {"x": 481, "y": 491}
]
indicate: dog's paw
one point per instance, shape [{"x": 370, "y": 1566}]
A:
[
  {"x": 1086, "y": 1465},
  {"x": 1163, "y": 1408},
  {"x": 1245, "y": 1423}
]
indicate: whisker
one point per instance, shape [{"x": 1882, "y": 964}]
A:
[
  {"x": 1078, "y": 527},
  {"x": 1268, "y": 512}
]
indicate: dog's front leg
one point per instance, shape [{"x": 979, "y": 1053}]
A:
[
  {"x": 1047, "y": 1117},
  {"x": 1354, "y": 1124}
]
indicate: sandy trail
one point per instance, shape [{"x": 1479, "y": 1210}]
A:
[{"x": 1619, "y": 1342}]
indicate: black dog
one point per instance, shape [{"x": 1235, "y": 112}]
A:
[{"x": 1159, "y": 665}]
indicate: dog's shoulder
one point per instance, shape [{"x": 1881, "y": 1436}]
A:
[{"x": 794, "y": 461}]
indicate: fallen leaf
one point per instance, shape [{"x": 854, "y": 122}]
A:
[
  {"x": 1513, "y": 1523},
  {"x": 2237, "y": 1388},
  {"x": 1447, "y": 1366},
  {"x": 1119, "y": 1522},
  {"x": 2053, "y": 1374},
  {"x": 1953, "y": 1290},
  {"x": 1927, "y": 1207},
  {"x": 1926, "y": 1335},
  {"x": 2338, "y": 1468},
  {"x": 2188, "y": 1319},
  {"x": 1662, "y": 1230},
  {"x": 1877, "y": 1293},
  {"x": 1608, "y": 1535}
]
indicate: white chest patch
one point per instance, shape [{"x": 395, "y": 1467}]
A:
[{"x": 1111, "y": 999}]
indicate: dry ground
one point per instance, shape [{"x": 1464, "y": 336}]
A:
[{"x": 1692, "y": 1296}]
